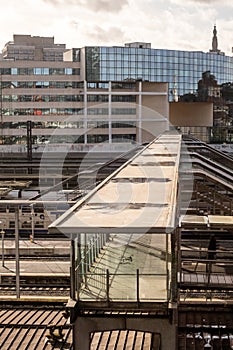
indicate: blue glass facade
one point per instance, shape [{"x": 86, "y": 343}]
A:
[{"x": 181, "y": 68}]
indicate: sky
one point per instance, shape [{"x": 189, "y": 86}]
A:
[{"x": 168, "y": 24}]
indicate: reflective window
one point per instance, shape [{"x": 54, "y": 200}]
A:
[{"x": 37, "y": 70}]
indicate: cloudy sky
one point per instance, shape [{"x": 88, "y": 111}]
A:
[{"x": 169, "y": 24}]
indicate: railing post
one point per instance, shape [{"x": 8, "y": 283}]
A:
[
  {"x": 85, "y": 259},
  {"x": 3, "y": 259},
  {"x": 168, "y": 286},
  {"x": 79, "y": 268},
  {"x": 72, "y": 270},
  {"x": 107, "y": 285},
  {"x": 88, "y": 256},
  {"x": 138, "y": 295},
  {"x": 96, "y": 245},
  {"x": 92, "y": 250},
  {"x": 99, "y": 243}
]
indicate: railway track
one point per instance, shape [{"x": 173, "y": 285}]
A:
[
  {"x": 35, "y": 290},
  {"x": 39, "y": 279},
  {"x": 45, "y": 257},
  {"x": 36, "y": 285}
]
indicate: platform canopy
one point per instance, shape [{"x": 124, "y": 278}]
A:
[
  {"x": 15, "y": 185},
  {"x": 207, "y": 221},
  {"x": 139, "y": 197},
  {"x": 4, "y": 191}
]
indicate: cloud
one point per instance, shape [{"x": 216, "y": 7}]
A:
[
  {"x": 105, "y": 5},
  {"x": 205, "y": 2},
  {"x": 171, "y": 24},
  {"x": 109, "y": 35},
  {"x": 92, "y": 5},
  {"x": 209, "y": 2},
  {"x": 53, "y": 2}
]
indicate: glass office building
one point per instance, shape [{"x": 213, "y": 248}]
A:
[{"x": 181, "y": 69}]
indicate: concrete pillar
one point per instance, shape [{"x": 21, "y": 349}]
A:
[
  {"x": 84, "y": 326},
  {"x": 110, "y": 112},
  {"x": 140, "y": 114},
  {"x": 85, "y": 111}
]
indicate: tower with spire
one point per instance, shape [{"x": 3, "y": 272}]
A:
[{"x": 215, "y": 43}]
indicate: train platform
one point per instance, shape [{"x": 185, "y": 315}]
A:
[
  {"x": 43, "y": 271},
  {"x": 39, "y": 267},
  {"x": 36, "y": 248}
]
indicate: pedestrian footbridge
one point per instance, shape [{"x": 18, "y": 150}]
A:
[{"x": 140, "y": 245}]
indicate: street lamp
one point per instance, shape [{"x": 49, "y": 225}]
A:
[{"x": 32, "y": 236}]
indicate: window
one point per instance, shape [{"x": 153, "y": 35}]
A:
[
  {"x": 37, "y": 70},
  {"x": 68, "y": 71}
]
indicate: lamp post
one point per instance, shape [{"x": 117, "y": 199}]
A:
[
  {"x": 32, "y": 223},
  {"x": 3, "y": 257},
  {"x": 17, "y": 266}
]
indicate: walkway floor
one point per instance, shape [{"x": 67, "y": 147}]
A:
[{"x": 122, "y": 256}]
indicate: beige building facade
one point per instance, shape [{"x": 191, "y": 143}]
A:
[{"x": 47, "y": 100}]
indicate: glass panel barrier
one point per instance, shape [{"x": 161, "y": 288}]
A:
[{"x": 102, "y": 285}]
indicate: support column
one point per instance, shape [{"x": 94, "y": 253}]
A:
[
  {"x": 85, "y": 112},
  {"x": 84, "y": 326},
  {"x": 110, "y": 112},
  {"x": 174, "y": 266},
  {"x": 140, "y": 113}
]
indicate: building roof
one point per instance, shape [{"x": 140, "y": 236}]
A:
[{"x": 139, "y": 197}]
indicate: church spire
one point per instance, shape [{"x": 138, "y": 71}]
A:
[{"x": 215, "y": 41}]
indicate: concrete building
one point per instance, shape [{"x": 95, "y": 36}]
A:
[
  {"x": 36, "y": 48},
  {"x": 180, "y": 69},
  {"x": 44, "y": 95},
  {"x": 96, "y": 94},
  {"x": 64, "y": 109}
]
